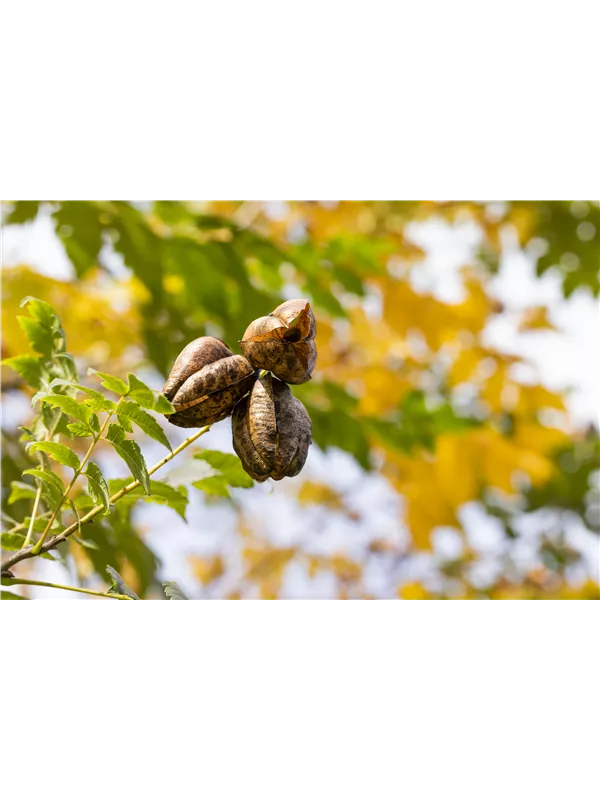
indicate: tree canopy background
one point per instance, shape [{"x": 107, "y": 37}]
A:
[{"x": 443, "y": 465}]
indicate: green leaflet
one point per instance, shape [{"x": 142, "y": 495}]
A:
[
  {"x": 119, "y": 586},
  {"x": 66, "y": 366},
  {"x": 29, "y": 368},
  {"x": 111, "y": 382},
  {"x": 79, "y": 429},
  {"x": 40, "y": 339},
  {"x": 125, "y": 423},
  {"x": 73, "y": 508},
  {"x": 52, "y": 418},
  {"x": 53, "y": 486},
  {"x": 97, "y": 486},
  {"x": 173, "y": 592},
  {"x": 162, "y": 405},
  {"x": 59, "y": 452},
  {"x": 95, "y": 400},
  {"x": 42, "y": 312},
  {"x": 44, "y": 331},
  {"x": 69, "y": 405},
  {"x": 144, "y": 421},
  {"x": 10, "y": 596},
  {"x": 131, "y": 454},
  {"x": 139, "y": 392}
]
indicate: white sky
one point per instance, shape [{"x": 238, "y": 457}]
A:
[{"x": 568, "y": 358}]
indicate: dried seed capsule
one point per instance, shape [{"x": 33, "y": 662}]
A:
[
  {"x": 271, "y": 431},
  {"x": 283, "y": 342},
  {"x": 206, "y": 382}
]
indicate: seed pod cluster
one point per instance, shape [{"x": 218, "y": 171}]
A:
[{"x": 271, "y": 428}]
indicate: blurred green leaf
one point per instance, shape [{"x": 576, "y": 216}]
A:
[
  {"x": 20, "y": 491},
  {"x": 53, "y": 486},
  {"x": 22, "y": 211},
  {"x": 16, "y": 541},
  {"x": 80, "y": 230},
  {"x": 160, "y": 493},
  {"x": 214, "y": 485},
  {"x": 338, "y": 428},
  {"x": 228, "y": 466}
]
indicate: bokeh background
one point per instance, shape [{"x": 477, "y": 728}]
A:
[{"x": 454, "y": 403}]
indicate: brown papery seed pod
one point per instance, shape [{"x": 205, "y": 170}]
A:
[
  {"x": 206, "y": 382},
  {"x": 271, "y": 431},
  {"x": 283, "y": 342}
]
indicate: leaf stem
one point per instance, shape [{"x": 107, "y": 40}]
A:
[
  {"x": 26, "y": 582},
  {"x": 38, "y": 545},
  {"x": 36, "y": 503},
  {"x": 25, "y": 553}
]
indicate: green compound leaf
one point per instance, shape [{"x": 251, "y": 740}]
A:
[
  {"x": 29, "y": 368},
  {"x": 69, "y": 405},
  {"x": 59, "y": 452}
]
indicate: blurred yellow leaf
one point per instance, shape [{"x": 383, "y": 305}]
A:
[
  {"x": 406, "y": 310},
  {"x": 532, "y": 398},
  {"x": 345, "y": 569},
  {"x": 265, "y": 561},
  {"x": 383, "y": 390},
  {"x": 413, "y": 591},
  {"x": 456, "y": 476},
  {"x": 523, "y": 221},
  {"x": 494, "y": 391},
  {"x": 540, "y": 439},
  {"x": 207, "y": 569},
  {"x": 313, "y": 565},
  {"x": 100, "y": 318},
  {"x": 315, "y": 493},
  {"x": 465, "y": 365},
  {"x": 590, "y": 590},
  {"x": 536, "y": 319}
]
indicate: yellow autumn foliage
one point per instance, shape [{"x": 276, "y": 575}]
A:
[
  {"x": 101, "y": 316},
  {"x": 392, "y": 354}
]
